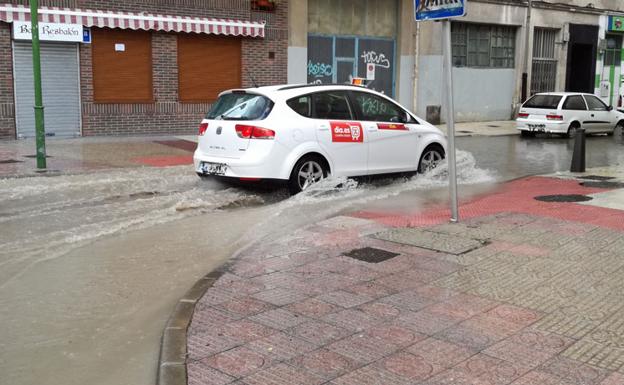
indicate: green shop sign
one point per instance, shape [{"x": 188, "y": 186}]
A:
[{"x": 616, "y": 23}]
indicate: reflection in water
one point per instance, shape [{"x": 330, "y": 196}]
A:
[{"x": 514, "y": 157}]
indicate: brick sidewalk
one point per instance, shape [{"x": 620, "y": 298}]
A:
[{"x": 521, "y": 293}]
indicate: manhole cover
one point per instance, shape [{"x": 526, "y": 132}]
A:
[
  {"x": 371, "y": 254},
  {"x": 596, "y": 177},
  {"x": 603, "y": 184},
  {"x": 34, "y": 156},
  {"x": 563, "y": 198},
  {"x": 8, "y": 161}
]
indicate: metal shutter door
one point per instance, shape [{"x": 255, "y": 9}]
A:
[{"x": 60, "y": 76}]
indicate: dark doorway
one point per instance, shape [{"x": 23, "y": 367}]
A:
[{"x": 581, "y": 66}]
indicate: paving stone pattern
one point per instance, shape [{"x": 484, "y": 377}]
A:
[{"x": 502, "y": 299}]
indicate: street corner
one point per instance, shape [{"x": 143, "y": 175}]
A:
[{"x": 495, "y": 295}]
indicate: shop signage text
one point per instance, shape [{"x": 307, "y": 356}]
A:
[
  {"x": 49, "y": 31},
  {"x": 616, "y": 23}
]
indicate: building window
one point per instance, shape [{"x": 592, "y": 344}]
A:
[
  {"x": 207, "y": 65},
  {"x": 122, "y": 66},
  {"x": 481, "y": 45},
  {"x": 544, "y": 66}
]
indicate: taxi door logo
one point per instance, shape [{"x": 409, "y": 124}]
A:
[{"x": 347, "y": 132}]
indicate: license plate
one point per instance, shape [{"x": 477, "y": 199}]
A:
[
  {"x": 536, "y": 127},
  {"x": 213, "y": 168}
]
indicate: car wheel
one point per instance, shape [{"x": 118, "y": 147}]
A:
[
  {"x": 618, "y": 130},
  {"x": 573, "y": 129},
  {"x": 430, "y": 158},
  {"x": 527, "y": 134},
  {"x": 307, "y": 171}
]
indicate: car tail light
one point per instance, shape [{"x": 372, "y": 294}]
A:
[
  {"x": 202, "y": 129},
  {"x": 252, "y": 132},
  {"x": 523, "y": 115},
  {"x": 554, "y": 117}
]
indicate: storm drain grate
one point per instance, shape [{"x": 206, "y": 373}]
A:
[
  {"x": 493, "y": 126},
  {"x": 596, "y": 177},
  {"x": 371, "y": 254},
  {"x": 603, "y": 184},
  {"x": 563, "y": 198},
  {"x": 8, "y": 161}
]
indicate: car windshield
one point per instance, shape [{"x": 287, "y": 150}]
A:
[
  {"x": 543, "y": 101},
  {"x": 240, "y": 106}
]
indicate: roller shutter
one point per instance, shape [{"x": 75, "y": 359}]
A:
[{"x": 60, "y": 76}]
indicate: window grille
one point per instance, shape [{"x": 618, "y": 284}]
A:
[
  {"x": 483, "y": 45},
  {"x": 544, "y": 68}
]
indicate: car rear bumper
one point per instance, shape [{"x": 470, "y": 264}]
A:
[
  {"x": 246, "y": 168},
  {"x": 555, "y": 127}
]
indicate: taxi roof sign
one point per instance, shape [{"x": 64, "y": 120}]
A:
[{"x": 438, "y": 9}]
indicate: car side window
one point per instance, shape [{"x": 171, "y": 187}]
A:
[
  {"x": 595, "y": 104},
  {"x": 301, "y": 105},
  {"x": 575, "y": 102},
  {"x": 331, "y": 105},
  {"x": 377, "y": 109}
]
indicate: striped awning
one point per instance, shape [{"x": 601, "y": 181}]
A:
[{"x": 128, "y": 20}]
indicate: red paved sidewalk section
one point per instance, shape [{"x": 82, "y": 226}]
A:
[
  {"x": 520, "y": 292},
  {"x": 517, "y": 197}
]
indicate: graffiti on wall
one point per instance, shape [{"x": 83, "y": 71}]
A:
[
  {"x": 319, "y": 70},
  {"x": 379, "y": 59}
]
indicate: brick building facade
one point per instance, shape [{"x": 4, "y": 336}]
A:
[{"x": 262, "y": 57}]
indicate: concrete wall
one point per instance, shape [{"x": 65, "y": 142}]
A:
[{"x": 297, "y": 42}]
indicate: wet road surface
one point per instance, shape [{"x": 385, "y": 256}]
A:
[{"x": 92, "y": 265}]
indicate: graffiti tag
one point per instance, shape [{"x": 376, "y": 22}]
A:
[
  {"x": 373, "y": 107},
  {"x": 319, "y": 70},
  {"x": 379, "y": 59}
]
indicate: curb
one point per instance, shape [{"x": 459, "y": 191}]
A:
[{"x": 172, "y": 357}]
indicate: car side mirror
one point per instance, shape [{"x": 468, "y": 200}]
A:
[{"x": 610, "y": 108}]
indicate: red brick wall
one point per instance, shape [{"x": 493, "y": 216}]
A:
[
  {"x": 167, "y": 115},
  {"x": 7, "y": 98}
]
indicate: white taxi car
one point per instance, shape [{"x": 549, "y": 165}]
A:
[
  {"x": 566, "y": 112},
  {"x": 300, "y": 134}
]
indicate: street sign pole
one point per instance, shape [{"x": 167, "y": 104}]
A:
[
  {"x": 444, "y": 10},
  {"x": 36, "y": 56},
  {"x": 450, "y": 120}
]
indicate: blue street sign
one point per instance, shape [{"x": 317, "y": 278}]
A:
[
  {"x": 438, "y": 9},
  {"x": 86, "y": 35}
]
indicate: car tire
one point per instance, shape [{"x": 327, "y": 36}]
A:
[
  {"x": 430, "y": 158},
  {"x": 308, "y": 170},
  {"x": 618, "y": 130},
  {"x": 573, "y": 129},
  {"x": 527, "y": 134}
]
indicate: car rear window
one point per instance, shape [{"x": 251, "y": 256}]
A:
[
  {"x": 240, "y": 106},
  {"x": 543, "y": 101}
]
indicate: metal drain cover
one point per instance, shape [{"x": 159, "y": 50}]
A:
[
  {"x": 464, "y": 132},
  {"x": 8, "y": 161},
  {"x": 563, "y": 198},
  {"x": 603, "y": 184},
  {"x": 371, "y": 254},
  {"x": 493, "y": 126},
  {"x": 596, "y": 177}
]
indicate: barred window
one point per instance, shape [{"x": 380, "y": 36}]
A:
[{"x": 482, "y": 45}]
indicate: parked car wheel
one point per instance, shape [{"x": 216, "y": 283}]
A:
[
  {"x": 308, "y": 170},
  {"x": 573, "y": 129}
]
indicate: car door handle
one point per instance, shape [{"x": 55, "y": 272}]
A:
[{"x": 592, "y": 115}]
